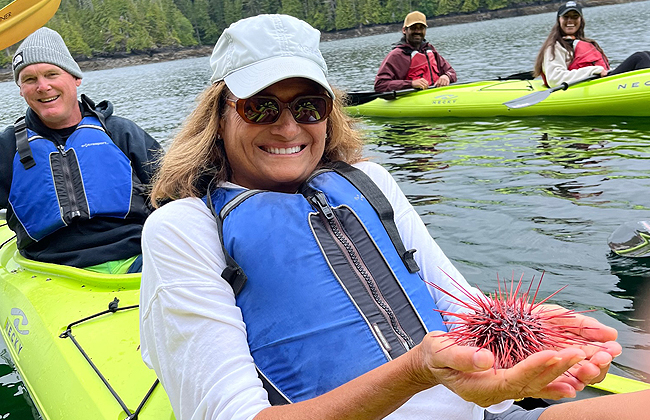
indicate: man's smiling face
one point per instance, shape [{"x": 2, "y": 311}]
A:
[
  {"x": 51, "y": 92},
  {"x": 415, "y": 34}
]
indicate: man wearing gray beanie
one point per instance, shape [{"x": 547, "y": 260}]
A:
[
  {"x": 45, "y": 46},
  {"x": 73, "y": 176}
]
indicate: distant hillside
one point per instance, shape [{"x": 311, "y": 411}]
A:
[{"x": 141, "y": 30}]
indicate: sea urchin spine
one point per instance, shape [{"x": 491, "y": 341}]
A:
[{"x": 509, "y": 323}]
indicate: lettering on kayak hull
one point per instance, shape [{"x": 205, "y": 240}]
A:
[
  {"x": 14, "y": 329},
  {"x": 634, "y": 85},
  {"x": 444, "y": 99}
]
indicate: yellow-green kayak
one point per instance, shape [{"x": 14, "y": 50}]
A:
[
  {"x": 78, "y": 360},
  {"x": 626, "y": 94}
]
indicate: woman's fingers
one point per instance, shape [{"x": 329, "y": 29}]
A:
[
  {"x": 587, "y": 373},
  {"x": 461, "y": 358},
  {"x": 537, "y": 371},
  {"x": 593, "y": 370},
  {"x": 557, "y": 390}
]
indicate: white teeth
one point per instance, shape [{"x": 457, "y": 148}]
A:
[{"x": 278, "y": 151}]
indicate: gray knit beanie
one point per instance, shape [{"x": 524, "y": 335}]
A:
[{"x": 44, "y": 46}]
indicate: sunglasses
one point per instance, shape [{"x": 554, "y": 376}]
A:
[{"x": 310, "y": 109}]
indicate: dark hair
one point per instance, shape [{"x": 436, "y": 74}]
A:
[{"x": 556, "y": 35}]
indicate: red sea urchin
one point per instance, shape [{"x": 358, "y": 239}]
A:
[{"x": 509, "y": 323}]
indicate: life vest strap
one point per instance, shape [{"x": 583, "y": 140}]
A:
[
  {"x": 233, "y": 273},
  {"x": 22, "y": 144}
]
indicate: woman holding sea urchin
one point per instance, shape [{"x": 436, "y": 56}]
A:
[{"x": 280, "y": 282}]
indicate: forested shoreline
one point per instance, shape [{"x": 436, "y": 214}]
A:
[{"x": 104, "y": 30}]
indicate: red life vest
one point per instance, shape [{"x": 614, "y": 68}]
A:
[
  {"x": 586, "y": 54},
  {"x": 423, "y": 66}
]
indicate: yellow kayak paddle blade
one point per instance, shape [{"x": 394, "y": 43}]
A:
[
  {"x": 620, "y": 384},
  {"x": 22, "y": 17}
]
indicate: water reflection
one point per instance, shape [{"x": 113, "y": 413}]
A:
[
  {"x": 504, "y": 177},
  {"x": 570, "y": 152},
  {"x": 634, "y": 286},
  {"x": 581, "y": 156},
  {"x": 12, "y": 389}
]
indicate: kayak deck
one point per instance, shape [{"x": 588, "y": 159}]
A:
[
  {"x": 39, "y": 302},
  {"x": 627, "y": 94}
]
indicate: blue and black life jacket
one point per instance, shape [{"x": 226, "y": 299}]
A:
[
  {"x": 326, "y": 287},
  {"x": 55, "y": 184}
]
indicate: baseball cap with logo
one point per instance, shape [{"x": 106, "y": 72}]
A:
[
  {"x": 256, "y": 52},
  {"x": 415, "y": 17},
  {"x": 567, "y": 7}
]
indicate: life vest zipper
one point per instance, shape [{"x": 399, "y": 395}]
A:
[
  {"x": 333, "y": 226},
  {"x": 69, "y": 186}
]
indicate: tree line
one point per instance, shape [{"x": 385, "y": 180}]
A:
[{"x": 94, "y": 28}]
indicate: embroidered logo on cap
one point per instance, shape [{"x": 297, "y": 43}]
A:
[{"x": 17, "y": 59}]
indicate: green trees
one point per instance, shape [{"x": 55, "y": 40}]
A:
[{"x": 106, "y": 27}]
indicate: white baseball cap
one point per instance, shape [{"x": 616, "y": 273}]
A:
[{"x": 256, "y": 52}]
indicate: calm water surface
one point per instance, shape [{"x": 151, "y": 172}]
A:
[{"x": 500, "y": 196}]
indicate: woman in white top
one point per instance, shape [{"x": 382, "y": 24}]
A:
[
  {"x": 194, "y": 328},
  {"x": 567, "y": 55}
]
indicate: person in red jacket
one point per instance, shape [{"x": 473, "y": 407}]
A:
[{"x": 413, "y": 63}]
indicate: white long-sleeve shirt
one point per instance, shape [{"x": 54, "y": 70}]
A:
[
  {"x": 556, "y": 68},
  {"x": 193, "y": 334}
]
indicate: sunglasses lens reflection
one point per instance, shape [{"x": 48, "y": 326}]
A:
[
  {"x": 259, "y": 110},
  {"x": 304, "y": 109},
  {"x": 309, "y": 110}
]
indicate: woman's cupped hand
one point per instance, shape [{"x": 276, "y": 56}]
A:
[{"x": 553, "y": 374}]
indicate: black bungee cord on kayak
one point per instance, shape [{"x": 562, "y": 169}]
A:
[
  {"x": 112, "y": 308},
  {"x": 8, "y": 240}
]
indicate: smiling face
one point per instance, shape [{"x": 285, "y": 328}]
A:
[
  {"x": 415, "y": 34},
  {"x": 51, "y": 93},
  {"x": 278, "y": 156},
  {"x": 570, "y": 22}
]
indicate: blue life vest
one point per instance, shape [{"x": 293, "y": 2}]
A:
[
  {"x": 53, "y": 185},
  {"x": 326, "y": 288}
]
